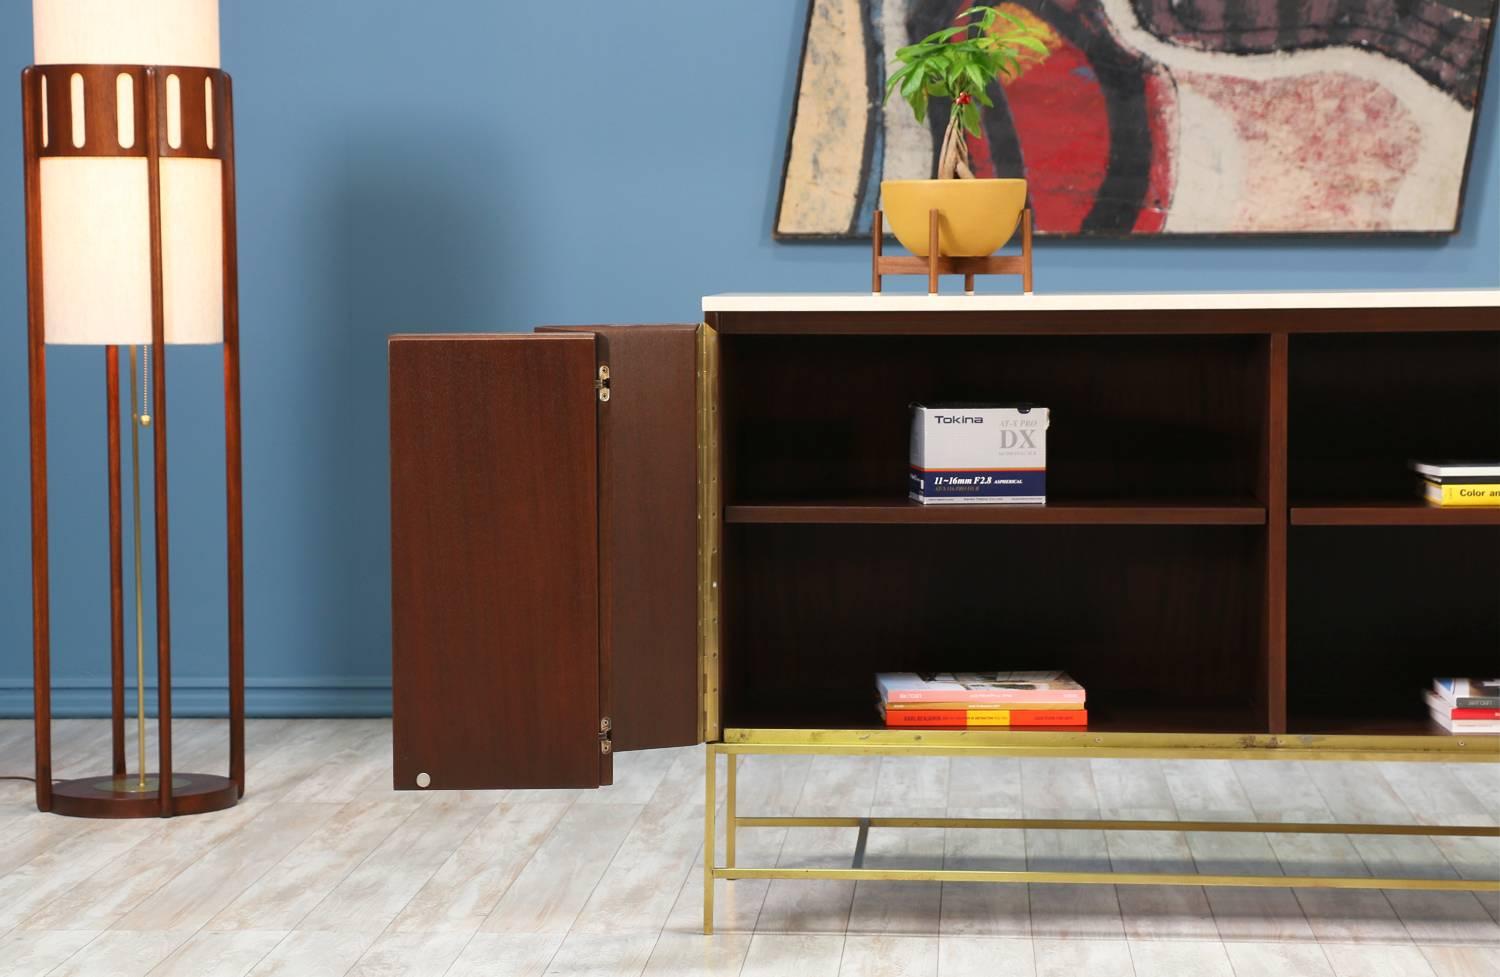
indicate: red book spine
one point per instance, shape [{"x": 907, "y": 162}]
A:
[
  {"x": 1043, "y": 717},
  {"x": 1475, "y": 714},
  {"x": 926, "y": 717}
]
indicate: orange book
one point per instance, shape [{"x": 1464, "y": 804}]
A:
[{"x": 976, "y": 718}]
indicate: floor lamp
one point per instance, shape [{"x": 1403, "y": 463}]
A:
[{"x": 130, "y": 241}]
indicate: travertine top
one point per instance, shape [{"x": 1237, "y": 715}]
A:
[{"x": 1093, "y": 302}]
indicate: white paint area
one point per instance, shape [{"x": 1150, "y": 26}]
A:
[
  {"x": 1427, "y": 198},
  {"x": 828, "y": 140},
  {"x": 1210, "y": 167},
  {"x": 908, "y": 143}
]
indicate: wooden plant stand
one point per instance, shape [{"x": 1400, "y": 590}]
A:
[{"x": 935, "y": 264}]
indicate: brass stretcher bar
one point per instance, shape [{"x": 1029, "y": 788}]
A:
[{"x": 1143, "y": 745}]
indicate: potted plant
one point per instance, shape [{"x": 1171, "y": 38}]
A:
[{"x": 977, "y": 216}]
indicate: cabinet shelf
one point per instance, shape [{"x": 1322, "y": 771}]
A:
[
  {"x": 1402, "y": 513},
  {"x": 1073, "y": 513}
]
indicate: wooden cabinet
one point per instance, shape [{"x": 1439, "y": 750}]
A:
[
  {"x": 1233, "y": 556},
  {"x": 544, "y": 540}
]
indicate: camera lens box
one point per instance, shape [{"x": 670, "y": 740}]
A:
[{"x": 978, "y": 453}]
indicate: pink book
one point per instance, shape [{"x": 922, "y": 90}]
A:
[{"x": 978, "y": 687}]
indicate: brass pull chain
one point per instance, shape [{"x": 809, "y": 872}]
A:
[{"x": 144, "y": 417}]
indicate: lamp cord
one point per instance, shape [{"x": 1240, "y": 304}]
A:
[{"x": 28, "y": 779}]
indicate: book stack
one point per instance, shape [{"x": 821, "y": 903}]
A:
[
  {"x": 1459, "y": 483},
  {"x": 1465, "y": 705},
  {"x": 967, "y": 700}
]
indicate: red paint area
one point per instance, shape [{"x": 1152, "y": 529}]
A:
[
  {"x": 1161, "y": 112},
  {"x": 1063, "y": 128}
]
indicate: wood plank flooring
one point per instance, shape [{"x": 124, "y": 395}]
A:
[{"x": 324, "y": 870}]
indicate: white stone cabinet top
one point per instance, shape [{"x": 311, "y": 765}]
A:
[{"x": 1100, "y": 301}]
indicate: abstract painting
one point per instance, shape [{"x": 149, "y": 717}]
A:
[{"x": 1158, "y": 117}]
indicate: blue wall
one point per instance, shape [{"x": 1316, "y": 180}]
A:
[{"x": 448, "y": 165}]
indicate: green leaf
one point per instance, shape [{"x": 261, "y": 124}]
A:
[
  {"x": 911, "y": 84},
  {"x": 942, "y": 36},
  {"x": 1034, "y": 43},
  {"x": 969, "y": 116}
]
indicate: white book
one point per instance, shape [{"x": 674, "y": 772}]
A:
[{"x": 1457, "y": 469}]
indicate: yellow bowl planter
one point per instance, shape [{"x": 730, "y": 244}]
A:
[{"x": 976, "y": 217}]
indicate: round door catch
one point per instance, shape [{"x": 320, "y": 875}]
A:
[{"x": 423, "y": 780}]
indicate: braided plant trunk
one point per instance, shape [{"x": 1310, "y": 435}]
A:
[{"x": 953, "y": 161}]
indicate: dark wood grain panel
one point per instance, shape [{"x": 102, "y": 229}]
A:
[
  {"x": 1156, "y": 621},
  {"x": 1363, "y": 407},
  {"x": 1155, "y": 418},
  {"x": 1376, "y": 612},
  {"x": 907, "y": 512},
  {"x": 1273, "y": 559},
  {"x": 649, "y": 527},
  {"x": 494, "y": 526},
  {"x": 1413, "y": 513}
]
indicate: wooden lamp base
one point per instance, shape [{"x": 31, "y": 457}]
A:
[
  {"x": 935, "y": 265},
  {"x": 121, "y": 797}
]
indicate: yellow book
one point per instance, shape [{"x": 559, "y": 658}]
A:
[{"x": 1462, "y": 494}]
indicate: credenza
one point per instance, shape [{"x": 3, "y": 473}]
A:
[{"x": 624, "y": 537}]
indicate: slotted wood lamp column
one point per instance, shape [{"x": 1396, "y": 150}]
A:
[{"x": 130, "y": 241}]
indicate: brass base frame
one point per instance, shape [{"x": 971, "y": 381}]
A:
[{"x": 738, "y": 742}]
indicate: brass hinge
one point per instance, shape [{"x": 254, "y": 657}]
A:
[
  {"x": 606, "y": 727},
  {"x": 601, "y": 383}
]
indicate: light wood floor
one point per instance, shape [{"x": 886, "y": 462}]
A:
[{"x": 323, "y": 870}]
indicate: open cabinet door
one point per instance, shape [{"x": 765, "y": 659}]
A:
[
  {"x": 498, "y": 651},
  {"x": 649, "y": 532}
]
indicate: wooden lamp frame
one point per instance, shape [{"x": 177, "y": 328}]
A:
[{"x": 201, "y": 137}]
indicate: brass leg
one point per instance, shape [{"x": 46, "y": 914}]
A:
[
  {"x": 877, "y": 242},
  {"x": 731, "y": 820},
  {"x": 710, "y": 801}
]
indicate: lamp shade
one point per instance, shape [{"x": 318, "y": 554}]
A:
[{"x": 95, "y": 226}]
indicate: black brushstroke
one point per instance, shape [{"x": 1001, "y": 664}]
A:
[
  {"x": 874, "y": 118},
  {"x": 1453, "y": 63}
]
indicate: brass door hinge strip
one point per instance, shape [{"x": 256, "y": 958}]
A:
[
  {"x": 606, "y": 736},
  {"x": 601, "y": 383},
  {"x": 709, "y": 522}
]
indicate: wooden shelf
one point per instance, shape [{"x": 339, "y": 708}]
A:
[
  {"x": 1390, "y": 725},
  {"x": 906, "y": 512},
  {"x": 1404, "y": 513},
  {"x": 859, "y": 714}
]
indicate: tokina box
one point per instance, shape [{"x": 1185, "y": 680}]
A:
[{"x": 978, "y": 453}]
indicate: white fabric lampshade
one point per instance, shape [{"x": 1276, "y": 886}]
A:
[
  {"x": 96, "y": 271},
  {"x": 164, "y": 32}
]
